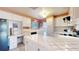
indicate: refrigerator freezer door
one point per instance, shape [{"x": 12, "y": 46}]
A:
[{"x": 3, "y": 35}]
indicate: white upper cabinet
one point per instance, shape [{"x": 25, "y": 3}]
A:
[
  {"x": 75, "y": 12},
  {"x": 75, "y": 15},
  {"x": 60, "y": 22},
  {"x": 27, "y": 22}
]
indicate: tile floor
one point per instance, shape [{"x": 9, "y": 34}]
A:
[{"x": 57, "y": 43}]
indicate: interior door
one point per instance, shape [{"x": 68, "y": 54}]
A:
[{"x": 3, "y": 35}]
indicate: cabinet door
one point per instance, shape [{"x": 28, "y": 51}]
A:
[
  {"x": 60, "y": 22},
  {"x": 13, "y": 42}
]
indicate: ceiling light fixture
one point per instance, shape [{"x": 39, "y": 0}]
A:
[{"x": 44, "y": 13}]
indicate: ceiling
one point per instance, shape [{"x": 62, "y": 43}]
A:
[{"x": 35, "y": 11}]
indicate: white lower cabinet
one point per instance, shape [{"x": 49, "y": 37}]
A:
[
  {"x": 12, "y": 42},
  {"x": 33, "y": 44}
]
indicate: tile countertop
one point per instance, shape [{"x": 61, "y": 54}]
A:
[{"x": 54, "y": 43}]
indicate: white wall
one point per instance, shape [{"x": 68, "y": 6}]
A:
[
  {"x": 10, "y": 16},
  {"x": 27, "y": 22}
]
